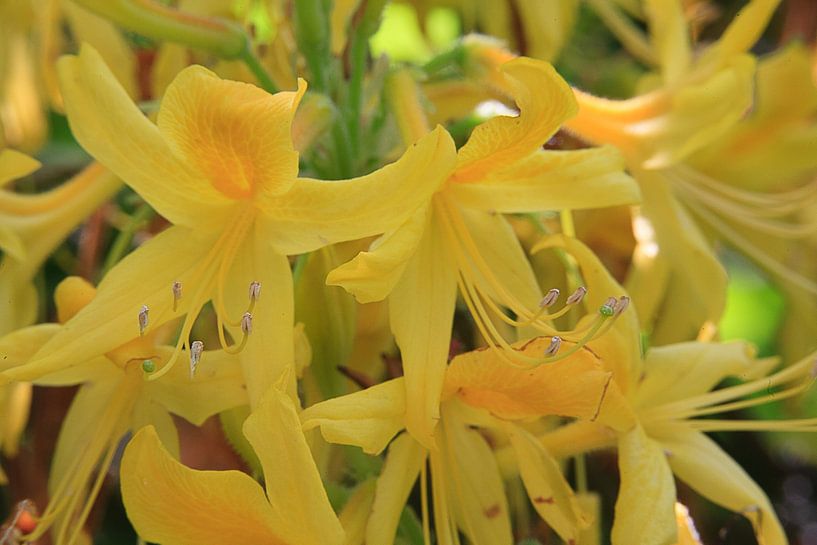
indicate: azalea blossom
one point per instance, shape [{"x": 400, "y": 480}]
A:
[
  {"x": 460, "y": 238},
  {"x": 115, "y": 398},
  {"x": 220, "y": 165}
]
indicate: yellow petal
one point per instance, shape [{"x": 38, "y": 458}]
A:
[
  {"x": 169, "y": 503},
  {"x": 300, "y": 506},
  {"x": 15, "y": 401},
  {"x": 270, "y": 350},
  {"x": 403, "y": 463},
  {"x": 547, "y": 488},
  {"x": 745, "y": 29},
  {"x": 544, "y": 100},
  {"x": 146, "y": 412},
  {"x": 620, "y": 348},
  {"x": 696, "y": 292},
  {"x": 11, "y": 244},
  {"x": 370, "y": 276},
  {"x": 500, "y": 248},
  {"x": 687, "y": 534},
  {"x": 547, "y": 26},
  {"x": 554, "y": 180},
  {"x": 367, "y": 419},
  {"x": 217, "y": 386},
  {"x": 574, "y": 386},
  {"x": 356, "y": 513},
  {"x": 234, "y": 135},
  {"x": 645, "y": 508},
  {"x": 110, "y": 126},
  {"x": 144, "y": 277},
  {"x": 474, "y": 485},
  {"x": 700, "y": 462},
  {"x": 421, "y": 312},
  {"x": 14, "y": 164},
  {"x": 17, "y": 347},
  {"x": 315, "y": 213},
  {"x": 670, "y": 38},
  {"x": 81, "y": 423},
  {"x": 684, "y": 370},
  {"x": 103, "y": 36},
  {"x": 664, "y": 127}
]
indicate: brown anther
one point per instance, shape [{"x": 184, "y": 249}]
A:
[
  {"x": 577, "y": 296},
  {"x": 143, "y": 319},
  {"x": 255, "y": 290},
  {"x": 246, "y": 323},
  {"x": 196, "y": 349},
  {"x": 549, "y": 299},
  {"x": 621, "y": 305},
  {"x": 553, "y": 347},
  {"x": 177, "y": 291}
]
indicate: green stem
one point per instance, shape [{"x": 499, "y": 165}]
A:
[
  {"x": 123, "y": 240},
  {"x": 258, "y": 70}
]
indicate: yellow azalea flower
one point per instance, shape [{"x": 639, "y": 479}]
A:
[
  {"x": 31, "y": 226},
  {"x": 667, "y": 390},
  {"x": 481, "y": 390},
  {"x": 171, "y": 504},
  {"x": 220, "y": 165},
  {"x": 114, "y": 399},
  {"x": 692, "y": 102},
  {"x": 460, "y": 238}
]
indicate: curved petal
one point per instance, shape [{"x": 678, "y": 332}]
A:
[
  {"x": 315, "y": 213},
  {"x": 402, "y": 466},
  {"x": 684, "y": 370},
  {"x": 233, "y": 134},
  {"x": 575, "y": 386},
  {"x": 14, "y": 165},
  {"x": 645, "y": 508},
  {"x": 172, "y": 504},
  {"x": 544, "y": 100},
  {"x": 144, "y": 277},
  {"x": 743, "y": 32},
  {"x": 300, "y": 507},
  {"x": 17, "y": 347},
  {"x": 356, "y": 511},
  {"x": 106, "y": 38},
  {"x": 474, "y": 485},
  {"x": 421, "y": 313},
  {"x": 700, "y": 462},
  {"x": 217, "y": 386},
  {"x": 669, "y": 37},
  {"x": 81, "y": 422},
  {"x": 547, "y": 488},
  {"x": 110, "y": 126},
  {"x": 368, "y": 419},
  {"x": 696, "y": 292},
  {"x": 370, "y": 276},
  {"x": 146, "y": 412},
  {"x": 270, "y": 351},
  {"x": 554, "y": 180}
]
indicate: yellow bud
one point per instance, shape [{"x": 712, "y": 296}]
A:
[{"x": 71, "y": 296}]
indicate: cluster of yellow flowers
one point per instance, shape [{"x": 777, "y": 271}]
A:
[{"x": 423, "y": 289}]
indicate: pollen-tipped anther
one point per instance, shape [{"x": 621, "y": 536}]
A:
[
  {"x": 577, "y": 296},
  {"x": 549, "y": 299},
  {"x": 254, "y": 291},
  {"x": 553, "y": 347},
  {"x": 622, "y": 304},
  {"x": 246, "y": 323},
  {"x": 143, "y": 319},
  {"x": 176, "y": 288},
  {"x": 196, "y": 348}
]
